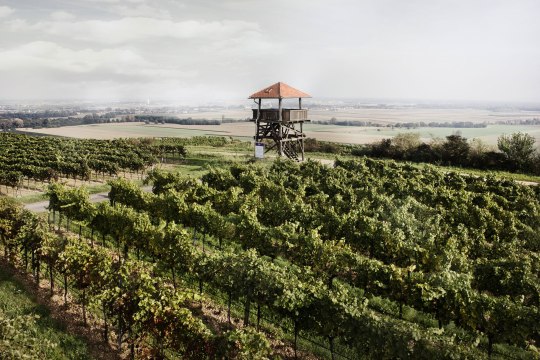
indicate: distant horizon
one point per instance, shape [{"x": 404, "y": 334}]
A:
[{"x": 366, "y": 101}]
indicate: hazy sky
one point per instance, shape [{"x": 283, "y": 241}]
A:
[{"x": 219, "y": 49}]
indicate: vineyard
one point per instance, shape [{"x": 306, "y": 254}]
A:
[
  {"x": 371, "y": 258},
  {"x": 43, "y": 159}
]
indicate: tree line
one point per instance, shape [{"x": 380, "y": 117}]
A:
[
  {"x": 516, "y": 152},
  {"x": 53, "y": 119},
  {"x": 407, "y": 125}
]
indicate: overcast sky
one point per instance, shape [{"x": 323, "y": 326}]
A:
[{"x": 188, "y": 51}]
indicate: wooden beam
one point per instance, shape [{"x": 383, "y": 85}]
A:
[
  {"x": 280, "y": 118},
  {"x": 292, "y": 139},
  {"x": 257, "y": 121},
  {"x": 270, "y": 148},
  {"x": 302, "y": 140}
]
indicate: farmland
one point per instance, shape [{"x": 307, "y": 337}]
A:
[
  {"x": 376, "y": 197},
  {"x": 234, "y": 257},
  {"x": 245, "y": 130},
  {"x": 383, "y": 114},
  {"x": 230, "y": 251}
]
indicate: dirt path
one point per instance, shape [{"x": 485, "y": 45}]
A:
[{"x": 41, "y": 206}]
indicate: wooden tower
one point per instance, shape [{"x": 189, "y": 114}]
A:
[{"x": 283, "y": 126}]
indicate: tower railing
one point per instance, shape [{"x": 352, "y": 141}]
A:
[{"x": 287, "y": 115}]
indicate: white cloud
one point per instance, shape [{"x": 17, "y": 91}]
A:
[
  {"x": 62, "y": 15},
  {"x": 115, "y": 1},
  {"x": 16, "y": 25},
  {"x": 142, "y": 10},
  {"x": 138, "y": 29},
  {"x": 125, "y": 64},
  {"x": 6, "y": 11}
]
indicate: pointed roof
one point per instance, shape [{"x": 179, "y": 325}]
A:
[{"x": 279, "y": 90}]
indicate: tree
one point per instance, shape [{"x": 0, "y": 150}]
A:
[
  {"x": 479, "y": 152},
  {"x": 536, "y": 164},
  {"x": 406, "y": 142},
  {"x": 518, "y": 148},
  {"x": 478, "y": 147},
  {"x": 382, "y": 148},
  {"x": 455, "y": 150}
]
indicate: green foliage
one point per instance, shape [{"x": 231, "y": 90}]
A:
[
  {"x": 19, "y": 338},
  {"x": 42, "y": 159},
  {"x": 406, "y": 141},
  {"x": 244, "y": 344},
  {"x": 455, "y": 149},
  {"x": 314, "y": 245},
  {"x": 519, "y": 148},
  {"x": 314, "y": 145},
  {"x": 516, "y": 152}
]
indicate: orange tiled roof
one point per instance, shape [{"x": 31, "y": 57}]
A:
[{"x": 279, "y": 90}]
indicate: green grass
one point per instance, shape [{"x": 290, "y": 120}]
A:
[
  {"x": 96, "y": 189},
  {"x": 498, "y": 174},
  {"x": 240, "y": 147},
  {"x": 15, "y": 301},
  {"x": 197, "y": 164},
  {"x": 33, "y": 198}
]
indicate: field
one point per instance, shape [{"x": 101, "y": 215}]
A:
[
  {"x": 335, "y": 133},
  {"x": 398, "y": 114},
  {"x": 363, "y": 135}
]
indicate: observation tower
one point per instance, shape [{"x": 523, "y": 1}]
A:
[{"x": 283, "y": 126}]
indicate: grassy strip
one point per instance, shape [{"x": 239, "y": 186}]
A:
[
  {"x": 32, "y": 198},
  {"x": 15, "y": 302},
  {"x": 483, "y": 173}
]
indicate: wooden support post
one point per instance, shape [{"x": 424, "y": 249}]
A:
[
  {"x": 257, "y": 120},
  {"x": 280, "y": 119},
  {"x": 302, "y": 139}
]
